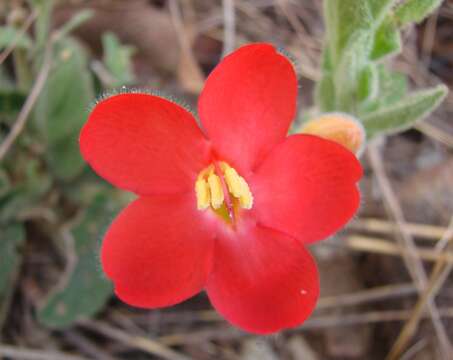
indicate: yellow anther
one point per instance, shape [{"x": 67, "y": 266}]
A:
[
  {"x": 209, "y": 188},
  {"x": 245, "y": 197},
  {"x": 238, "y": 187},
  {"x": 206, "y": 172},
  {"x": 203, "y": 194},
  {"x": 215, "y": 187},
  {"x": 232, "y": 180}
]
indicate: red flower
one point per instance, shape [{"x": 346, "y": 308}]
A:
[{"x": 228, "y": 210}]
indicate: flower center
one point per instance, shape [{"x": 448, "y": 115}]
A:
[{"x": 222, "y": 189}]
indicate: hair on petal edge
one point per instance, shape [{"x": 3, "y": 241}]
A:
[{"x": 135, "y": 90}]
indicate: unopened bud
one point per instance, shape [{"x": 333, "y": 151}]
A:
[{"x": 342, "y": 128}]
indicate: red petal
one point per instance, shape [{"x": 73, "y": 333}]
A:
[
  {"x": 307, "y": 188},
  {"x": 248, "y": 103},
  {"x": 263, "y": 281},
  {"x": 158, "y": 251},
  {"x": 144, "y": 143}
]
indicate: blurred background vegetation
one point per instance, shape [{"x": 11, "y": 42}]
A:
[{"x": 57, "y": 57}]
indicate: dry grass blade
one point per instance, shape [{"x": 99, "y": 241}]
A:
[
  {"x": 381, "y": 246},
  {"x": 410, "y": 353},
  {"x": 366, "y": 296},
  {"x": 13, "y": 352},
  {"x": 86, "y": 346},
  {"x": 229, "y": 27},
  {"x": 315, "y": 322},
  {"x": 425, "y": 231},
  {"x": 412, "y": 261},
  {"x": 438, "y": 275},
  {"x": 189, "y": 72},
  {"x": 138, "y": 342},
  {"x": 435, "y": 133}
]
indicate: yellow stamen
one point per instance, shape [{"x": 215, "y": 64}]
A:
[
  {"x": 232, "y": 181},
  {"x": 209, "y": 188},
  {"x": 203, "y": 194},
  {"x": 217, "y": 195},
  {"x": 238, "y": 187},
  {"x": 245, "y": 197}
]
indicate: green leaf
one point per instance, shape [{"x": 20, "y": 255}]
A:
[
  {"x": 325, "y": 93},
  {"x": 387, "y": 40},
  {"x": 62, "y": 106},
  {"x": 62, "y": 109},
  {"x": 368, "y": 86},
  {"x": 11, "y": 100},
  {"x": 26, "y": 193},
  {"x": 64, "y": 159},
  {"x": 405, "y": 113},
  {"x": 343, "y": 19},
  {"x": 415, "y": 11},
  {"x": 326, "y": 61},
  {"x": 9, "y": 35},
  {"x": 348, "y": 70},
  {"x": 117, "y": 59},
  {"x": 392, "y": 88},
  {"x": 379, "y": 8},
  {"x": 12, "y": 237},
  {"x": 42, "y": 24},
  {"x": 83, "y": 290}
]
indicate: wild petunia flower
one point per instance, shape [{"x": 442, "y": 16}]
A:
[{"x": 229, "y": 208}]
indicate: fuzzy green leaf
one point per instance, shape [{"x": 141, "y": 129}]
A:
[
  {"x": 405, "y": 113},
  {"x": 82, "y": 290},
  {"x": 12, "y": 237},
  {"x": 62, "y": 109},
  {"x": 392, "y": 88},
  {"x": 9, "y": 35},
  {"x": 415, "y": 11},
  {"x": 325, "y": 93},
  {"x": 344, "y": 19},
  {"x": 64, "y": 159},
  {"x": 117, "y": 59},
  {"x": 62, "y": 106},
  {"x": 22, "y": 195},
  {"x": 379, "y": 8},
  {"x": 387, "y": 40},
  {"x": 368, "y": 85},
  {"x": 352, "y": 63},
  {"x": 326, "y": 61}
]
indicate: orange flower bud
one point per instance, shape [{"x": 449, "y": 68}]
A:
[{"x": 339, "y": 127}]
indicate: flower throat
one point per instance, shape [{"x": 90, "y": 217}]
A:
[{"x": 222, "y": 189}]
